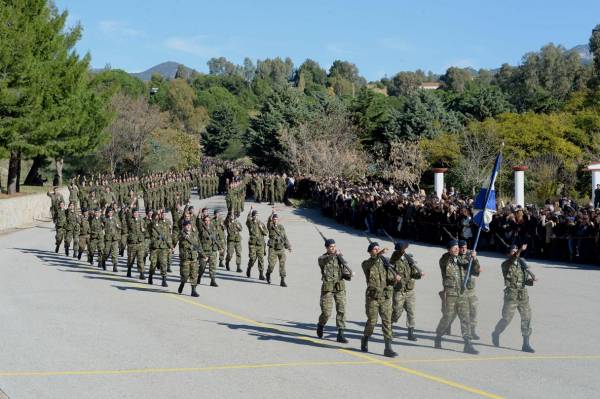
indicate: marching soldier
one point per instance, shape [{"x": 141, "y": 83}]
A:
[
  {"x": 136, "y": 233},
  {"x": 456, "y": 301},
  {"x": 72, "y": 230},
  {"x": 333, "y": 288},
  {"x": 278, "y": 243},
  {"x": 188, "y": 256},
  {"x": 96, "y": 238},
  {"x": 516, "y": 279},
  {"x": 234, "y": 241},
  {"x": 84, "y": 232},
  {"x": 60, "y": 223},
  {"x": 210, "y": 246},
  {"x": 112, "y": 237},
  {"x": 256, "y": 243},
  {"x": 55, "y": 199},
  {"x": 404, "y": 290},
  {"x": 381, "y": 278},
  {"x": 160, "y": 246},
  {"x": 219, "y": 230}
]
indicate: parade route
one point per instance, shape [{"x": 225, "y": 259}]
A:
[{"x": 71, "y": 330}]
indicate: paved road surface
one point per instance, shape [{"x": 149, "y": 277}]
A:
[{"x": 73, "y": 331}]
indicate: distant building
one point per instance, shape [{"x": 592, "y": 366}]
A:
[{"x": 430, "y": 85}]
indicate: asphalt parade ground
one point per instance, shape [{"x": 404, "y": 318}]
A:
[{"x": 70, "y": 330}]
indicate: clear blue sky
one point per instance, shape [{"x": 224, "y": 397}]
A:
[{"x": 380, "y": 37}]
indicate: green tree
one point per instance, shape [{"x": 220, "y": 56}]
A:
[
  {"x": 221, "y": 129},
  {"x": 456, "y": 79},
  {"x": 111, "y": 81},
  {"x": 480, "y": 102},
  {"x": 221, "y": 67},
  {"x": 405, "y": 83},
  {"x": 595, "y": 50}
]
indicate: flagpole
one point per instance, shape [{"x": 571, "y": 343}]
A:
[{"x": 485, "y": 203}]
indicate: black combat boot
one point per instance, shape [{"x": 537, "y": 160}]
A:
[
  {"x": 261, "y": 276},
  {"x": 239, "y": 269},
  {"x": 164, "y": 281},
  {"x": 364, "y": 344},
  {"x": 142, "y": 277},
  {"x": 180, "y": 289},
  {"x": 169, "y": 269},
  {"x": 67, "y": 250},
  {"x": 411, "y": 334},
  {"x": 221, "y": 264},
  {"x": 103, "y": 264},
  {"x": 449, "y": 330},
  {"x": 248, "y": 269},
  {"x": 283, "y": 284},
  {"x": 268, "y": 277},
  {"x": 227, "y": 266},
  {"x": 496, "y": 338},
  {"x": 79, "y": 255},
  {"x": 75, "y": 256},
  {"x": 121, "y": 251},
  {"x": 437, "y": 344},
  {"x": 194, "y": 293},
  {"x": 91, "y": 259},
  {"x": 129, "y": 270},
  {"x": 56, "y": 249},
  {"x": 526, "y": 347},
  {"x": 340, "y": 337},
  {"x": 474, "y": 335},
  {"x": 468, "y": 348},
  {"x": 320, "y": 330},
  {"x": 388, "y": 351},
  {"x": 150, "y": 280},
  {"x": 213, "y": 283},
  {"x": 115, "y": 268}
]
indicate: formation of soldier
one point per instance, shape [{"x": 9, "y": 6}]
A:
[{"x": 206, "y": 242}]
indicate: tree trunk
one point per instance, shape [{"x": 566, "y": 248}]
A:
[
  {"x": 33, "y": 177},
  {"x": 13, "y": 173},
  {"x": 60, "y": 162},
  {"x": 18, "y": 171}
]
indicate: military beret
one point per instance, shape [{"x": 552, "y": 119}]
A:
[
  {"x": 134, "y": 210},
  {"x": 254, "y": 212},
  {"x": 215, "y": 211},
  {"x": 186, "y": 222},
  {"x": 96, "y": 209},
  {"x": 452, "y": 243},
  {"x": 329, "y": 242},
  {"x": 511, "y": 248},
  {"x": 149, "y": 211},
  {"x": 83, "y": 210},
  {"x": 462, "y": 243},
  {"x": 400, "y": 244},
  {"x": 275, "y": 216},
  {"x": 372, "y": 245}
]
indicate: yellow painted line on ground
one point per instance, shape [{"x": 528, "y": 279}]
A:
[
  {"x": 362, "y": 356},
  {"x": 499, "y": 358},
  {"x": 174, "y": 369}
]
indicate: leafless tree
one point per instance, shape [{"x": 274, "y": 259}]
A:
[
  {"x": 478, "y": 151},
  {"x": 404, "y": 164}
]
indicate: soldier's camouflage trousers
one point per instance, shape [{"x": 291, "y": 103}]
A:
[
  {"x": 222, "y": 253},
  {"x": 60, "y": 236},
  {"x": 274, "y": 256},
  {"x": 96, "y": 246},
  {"x": 188, "y": 270},
  {"x": 515, "y": 300},
  {"x": 83, "y": 243},
  {"x": 123, "y": 243},
  {"x": 379, "y": 307},
  {"x": 111, "y": 248},
  {"x": 135, "y": 252},
  {"x": 327, "y": 299},
  {"x": 404, "y": 301},
  {"x": 211, "y": 264},
  {"x": 159, "y": 257},
  {"x": 257, "y": 253},
  {"x": 455, "y": 305},
  {"x": 72, "y": 236},
  {"x": 473, "y": 304},
  {"x": 234, "y": 247}
]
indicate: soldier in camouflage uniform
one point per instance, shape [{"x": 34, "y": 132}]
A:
[
  {"x": 219, "y": 230},
  {"x": 112, "y": 237},
  {"x": 72, "y": 230},
  {"x": 60, "y": 223},
  {"x": 278, "y": 243},
  {"x": 55, "y": 199},
  {"x": 333, "y": 288},
  {"x": 404, "y": 290},
  {"x": 136, "y": 235},
  {"x": 381, "y": 277},
  {"x": 96, "y": 238},
  {"x": 234, "y": 241},
  {"x": 516, "y": 279},
  {"x": 147, "y": 237},
  {"x": 84, "y": 232},
  {"x": 160, "y": 246},
  {"x": 124, "y": 218},
  {"x": 210, "y": 247},
  {"x": 463, "y": 254},
  {"x": 257, "y": 232},
  {"x": 188, "y": 257},
  {"x": 455, "y": 298}
]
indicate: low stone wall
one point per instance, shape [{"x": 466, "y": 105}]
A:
[{"x": 26, "y": 210}]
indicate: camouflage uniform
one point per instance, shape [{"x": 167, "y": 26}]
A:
[
  {"x": 404, "y": 294},
  {"x": 516, "y": 297},
  {"x": 210, "y": 248},
  {"x": 84, "y": 235},
  {"x": 96, "y": 240},
  {"x": 234, "y": 242},
  {"x": 470, "y": 292},
  {"x": 135, "y": 245},
  {"x": 60, "y": 223},
  {"x": 72, "y": 232},
  {"x": 160, "y": 246},
  {"x": 378, "y": 296},
  {"x": 219, "y": 233},
  {"x": 333, "y": 288},
  {"x": 112, "y": 236},
  {"x": 256, "y": 244},
  {"x": 278, "y": 243},
  {"x": 188, "y": 257}
]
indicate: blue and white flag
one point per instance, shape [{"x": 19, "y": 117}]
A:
[{"x": 484, "y": 206}]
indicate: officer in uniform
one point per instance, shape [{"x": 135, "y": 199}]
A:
[
  {"x": 234, "y": 241},
  {"x": 278, "y": 242},
  {"x": 84, "y": 232},
  {"x": 210, "y": 247},
  {"x": 189, "y": 248},
  {"x": 136, "y": 233},
  {"x": 60, "y": 223},
  {"x": 112, "y": 237},
  {"x": 72, "y": 230},
  {"x": 333, "y": 288},
  {"x": 516, "y": 279},
  {"x": 455, "y": 297},
  {"x": 257, "y": 232},
  {"x": 381, "y": 277}
]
